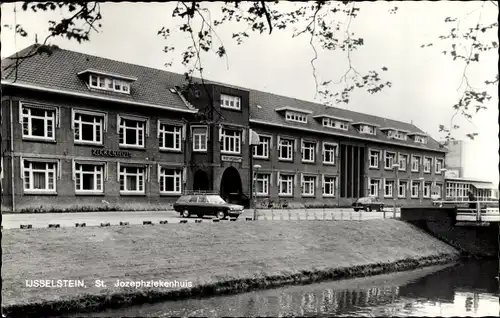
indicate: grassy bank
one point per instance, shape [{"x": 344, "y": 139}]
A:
[{"x": 216, "y": 258}]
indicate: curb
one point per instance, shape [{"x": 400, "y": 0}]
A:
[{"x": 94, "y": 303}]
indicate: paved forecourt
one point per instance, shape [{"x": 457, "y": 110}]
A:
[{"x": 42, "y": 220}]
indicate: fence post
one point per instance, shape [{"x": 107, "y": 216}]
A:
[
  {"x": 323, "y": 213},
  {"x": 307, "y": 214},
  {"x": 350, "y": 215},
  {"x": 342, "y": 214}
]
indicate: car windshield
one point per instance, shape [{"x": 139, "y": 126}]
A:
[{"x": 215, "y": 199}]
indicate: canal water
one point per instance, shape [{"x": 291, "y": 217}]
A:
[{"x": 465, "y": 289}]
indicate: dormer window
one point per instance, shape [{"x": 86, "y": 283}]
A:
[
  {"x": 297, "y": 117},
  {"x": 108, "y": 81},
  {"x": 396, "y": 133},
  {"x": 295, "y": 114},
  {"x": 420, "y": 139},
  {"x": 334, "y": 122},
  {"x": 230, "y": 102},
  {"x": 400, "y": 135},
  {"x": 365, "y": 128}
]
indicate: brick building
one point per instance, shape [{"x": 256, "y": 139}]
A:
[{"x": 80, "y": 130}]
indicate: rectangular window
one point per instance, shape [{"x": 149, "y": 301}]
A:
[
  {"x": 403, "y": 161},
  {"x": 170, "y": 181},
  {"x": 427, "y": 190},
  {"x": 262, "y": 149},
  {"x": 231, "y": 141},
  {"x": 88, "y": 178},
  {"x": 39, "y": 176},
  {"x": 329, "y": 152},
  {"x": 374, "y": 186},
  {"x": 329, "y": 186},
  {"x": 374, "y": 158},
  {"x": 390, "y": 159},
  {"x": 366, "y": 129},
  {"x": 88, "y": 127},
  {"x": 230, "y": 102},
  {"x": 285, "y": 184},
  {"x": 415, "y": 163},
  {"x": 438, "y": 166},
  {"x": 400, "y": 135},
  {"x": 415, "y": 189},
  {"x": 308, "y": 185},
  {"x": 38, "y": 123},
  {"x": 131, "y": 132},
  {"x": 199, "y": 139},
  {"x": 308, "y": 151},
  {"x": 332, "y": 123},
  {"x": 427, "y": 164},
  {"x": 262, "y": 184},
  {"x": 436, "y": 190},
  {"x": 388, "y": 188},
  {"x": 170, "y": 137},
  {"x": 132, "y": 180},
  {"x": 285, "y": 149},
  {"x": 420, "y": 140},
  {"x": 295, "y": 116},
  {"x": 402, "y": 189}
]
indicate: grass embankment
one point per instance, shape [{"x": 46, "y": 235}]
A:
[{"x": 216, "y": 258}]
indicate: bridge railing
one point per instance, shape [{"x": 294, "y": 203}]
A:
[{"x": 474, "y": 210}]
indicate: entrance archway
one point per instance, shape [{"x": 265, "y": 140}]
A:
[
  {"x": 200, "y": 181},
  {"x": 230, "y": 185}
]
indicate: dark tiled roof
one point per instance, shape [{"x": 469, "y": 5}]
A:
[{"x": 153, "y": 87}]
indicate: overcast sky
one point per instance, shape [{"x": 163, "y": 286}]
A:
[{"x": 424, "y": 81}]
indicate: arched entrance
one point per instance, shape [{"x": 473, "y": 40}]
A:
[
  {"x": 200, "y": 181},
  {"x": 230, "y": 186}
]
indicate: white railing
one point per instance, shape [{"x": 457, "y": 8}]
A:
[{"x": 482, "y": 211}]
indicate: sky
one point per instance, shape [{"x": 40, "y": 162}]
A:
[{"x": 425, "y": 83}]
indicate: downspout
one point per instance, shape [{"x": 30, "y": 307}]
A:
[{"x": 12, "y": 157}]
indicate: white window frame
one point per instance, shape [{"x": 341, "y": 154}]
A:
[
  {"x": 427, "y": 186},
  {"x": 124, "y": 86},
  {"x": 264, "y": 179},
  {"x": 100, "y": 120},
  {"x": 386, "y": 183},
  {"x": 374, "y": 182},
  {"x": 389, "y": 155},
  {"x": 46, "y": 118},
  {"x": 401, "y": 156},
  {"x": 332, "y": 183},
  {"x": 137, "y": 174},
  {"x": 296, "y": 117},
  {"x": 54, "y": 171},
  {"x": 226, "y": 138},
  {"x": 439, "y": 162},
  {"x": 400, "y": 135},
  {"x": 426, "y": 159},
  {"x": 198, "y": 145},
  {"x": 372, "y": 152},
  {"x": 290, "y": 145},
  {"x": 164, "y": 130},
  {"x": 290, "y": 182},
  {"x": 265, "y": 143},
  {"x": 418, "y": 184},
  {"x": 176, "y": 176},
  {"x": 230, "y": 98},
  {"x": 312, "y": 151},
  {"x": 142, "y": 127},
  {"x": 336, "y": 124},
  {"x": 99, "y": 170},
  {"x": 418, "y": 163},
  {"x": 420, "y": 139},
  {"x": 333, "y": 152},
  {"x": 312, "y": 182},
  {"x": 402, "y": 184},
  {"x": 367, "y": 129}
]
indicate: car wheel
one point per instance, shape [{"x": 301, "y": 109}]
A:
[
  {"x": 356, "y": 209},
  {"x": 221, "y": 215},
  {"x": 200, "y": 215},
  {"x": 185, "y": 213},
  {"x": 379, "y": 209},
  {"x": 368, "y": 209}
]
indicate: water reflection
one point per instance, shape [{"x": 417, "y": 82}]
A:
[{"x": 468, "y": 289}]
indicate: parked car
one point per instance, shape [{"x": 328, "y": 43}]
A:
[
  {"x": 368, "y": 204},
  {"x": 206, "y": 204}
]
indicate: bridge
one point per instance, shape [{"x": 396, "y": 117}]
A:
[{"x": 482, "y": 211}]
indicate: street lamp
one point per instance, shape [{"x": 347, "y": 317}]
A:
[
  {"x": 255, "y": 168},
  {"x": 396, "y": 168},
  {"x": 421, "y": 192}
]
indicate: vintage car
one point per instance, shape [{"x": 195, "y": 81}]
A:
[
  {"x": 368, "y": 204},
  {"x": 206, "y": 204}
]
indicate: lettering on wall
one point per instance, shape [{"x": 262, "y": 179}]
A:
[
  {"x": 111, "y": 153},
  {"x": 231, "y": 158}
]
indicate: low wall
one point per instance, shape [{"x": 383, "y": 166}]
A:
[
  {"x": 479, "y": 241},
  {"x": 217, "y": 258}
]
